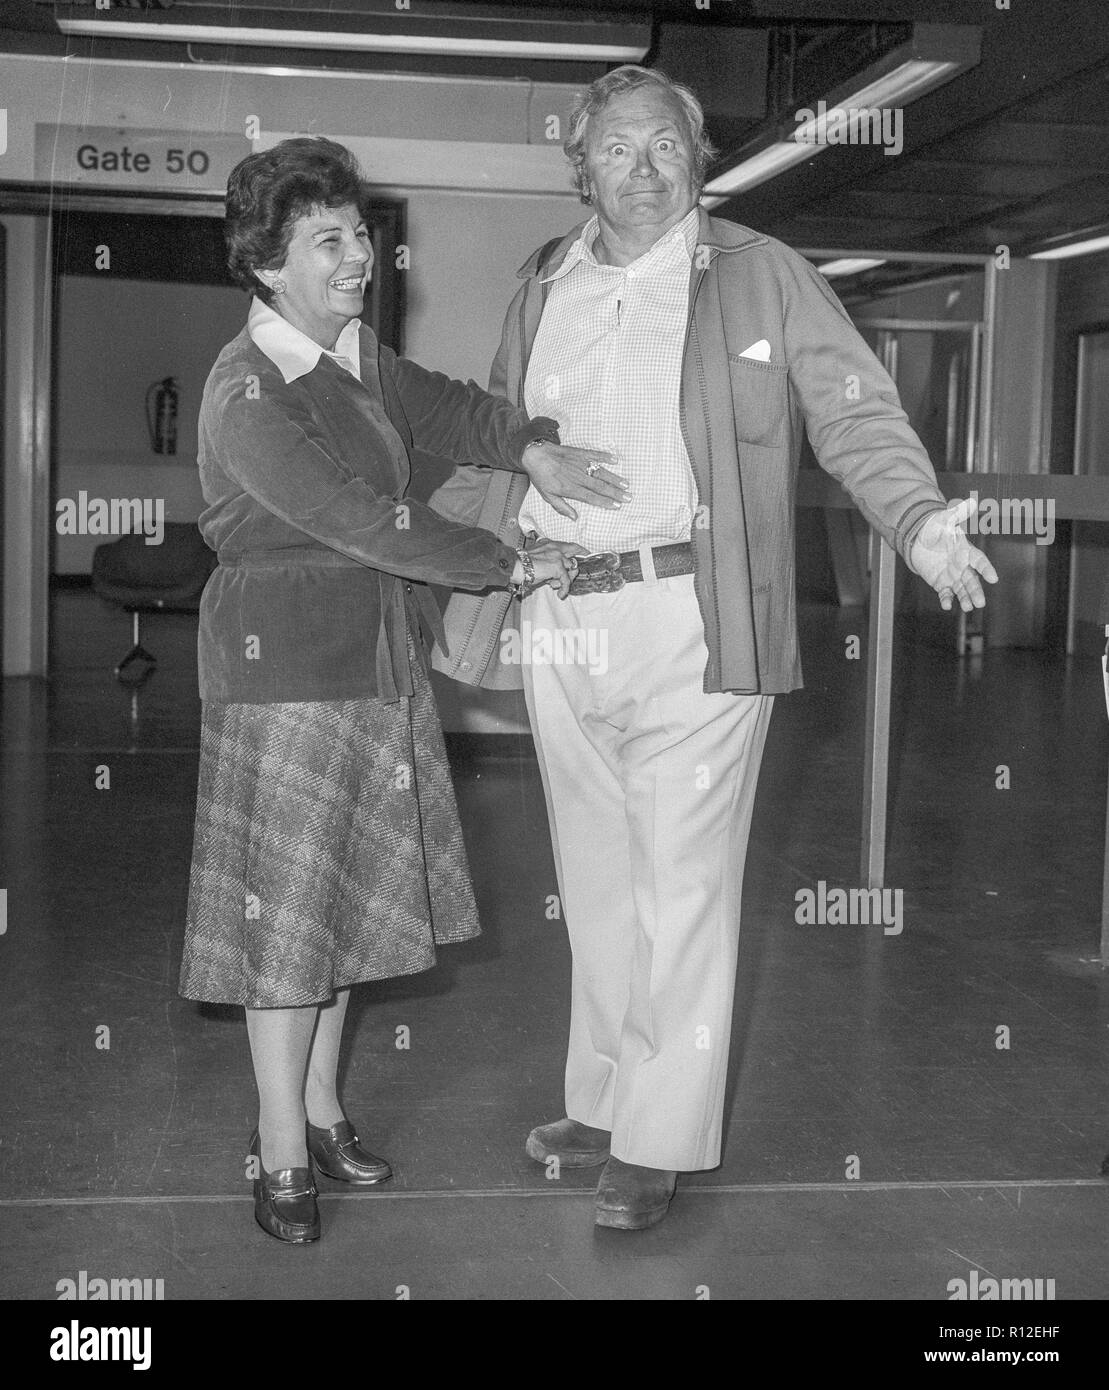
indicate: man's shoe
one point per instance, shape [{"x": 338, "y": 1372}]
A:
[
  {"x": 337, "y": 1153},
  {"x": 285, "y": 1201},
  {"x": 630, "y": 1198},
  {"x": 574, "y": 1145}
]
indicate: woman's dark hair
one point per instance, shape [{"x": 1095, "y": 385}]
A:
[{"x": 268, "y": 192}]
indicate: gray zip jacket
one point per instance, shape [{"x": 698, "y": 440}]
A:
[{"x": 742, "y": 421}]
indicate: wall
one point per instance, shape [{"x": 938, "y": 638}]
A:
[
  {"x": 466, "y": 250},
  {"x": 1083, "y": 303},
  {"x": 497, "y": 130},
  {"x": 114, "y": 339}
]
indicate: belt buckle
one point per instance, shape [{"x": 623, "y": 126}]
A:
[{"x": 599, "y": 573}]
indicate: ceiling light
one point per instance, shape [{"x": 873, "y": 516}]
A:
[
  {"x": 605, "y": 38},
  {"x": 757, "y": 169},
  {"x": 902, "y": 85},
  {"x": 918, "y": 66},
  {"x": 1075, "y": 248},
  {"x": 832, "y": 269}
]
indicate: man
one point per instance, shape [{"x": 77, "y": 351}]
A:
[{"x": 693, "y": 352}]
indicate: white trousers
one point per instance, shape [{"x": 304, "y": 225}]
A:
[{"x": 649, "y": 785}]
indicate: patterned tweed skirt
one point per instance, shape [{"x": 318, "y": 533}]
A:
[{"x": 327, "y": 849}]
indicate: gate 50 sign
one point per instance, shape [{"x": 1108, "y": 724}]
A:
[
  {"x": 193, "y": 161},
  {"x": 126, "y": 160}
]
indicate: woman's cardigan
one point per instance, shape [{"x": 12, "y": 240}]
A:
[{"x": 324, "y": 562}]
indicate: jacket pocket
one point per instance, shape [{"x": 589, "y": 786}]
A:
[{"x": 760, "y": 398}]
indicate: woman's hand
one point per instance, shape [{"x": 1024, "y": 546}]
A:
[
  {"x": 554, "y": 564},
  {"x": 559, "y": 471}
]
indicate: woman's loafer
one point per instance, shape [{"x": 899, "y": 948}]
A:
[
  {"x": 285, "y": 1201},
  {"x": 337, "y": 1153}
]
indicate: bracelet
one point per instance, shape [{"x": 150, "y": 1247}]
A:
[{"x": 528, "y": 583}]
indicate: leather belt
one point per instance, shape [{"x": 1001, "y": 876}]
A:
[{"x": 607, "y": 571}]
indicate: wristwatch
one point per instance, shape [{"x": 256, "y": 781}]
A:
[{"x": 539, "y": 439}]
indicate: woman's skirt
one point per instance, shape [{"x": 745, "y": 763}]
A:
[{"x": 327, "y": 849}]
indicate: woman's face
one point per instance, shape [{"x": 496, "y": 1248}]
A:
[{"x": 325, "y": 272}]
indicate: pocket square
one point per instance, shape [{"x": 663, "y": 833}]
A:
[{"x": 758, "y": 352}]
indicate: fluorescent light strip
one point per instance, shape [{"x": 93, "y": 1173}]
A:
[
  {"x": 758, "y": 169},
  {"x": 832, "y": 269},
  {"x": 259, "y": 70},
  {"x": 904, "y": 83},
  {"x": 1076, "y": 248},
  {"x": 357, "y": 43}
]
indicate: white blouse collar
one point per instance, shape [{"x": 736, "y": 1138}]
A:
[{"x": 292, "y": 352}]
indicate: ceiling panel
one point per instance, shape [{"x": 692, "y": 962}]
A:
[
  {"x": 1045, "y": 217},
  {"x": 1024, "y": 142},
  {"x": 854, "y": 231},
  {"x": 1014, "y": 150},
  {"x": 914, "y": 207},
  {"x": 1084, "y": 97},
  {"x": 998, "y": 181}
]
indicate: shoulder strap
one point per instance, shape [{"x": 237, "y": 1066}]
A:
[
  {"x": 546, "y": 251},
  {"x": 542, "y": 259}
]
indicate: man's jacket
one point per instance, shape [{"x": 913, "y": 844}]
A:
[{"x": 742, "y": 421}]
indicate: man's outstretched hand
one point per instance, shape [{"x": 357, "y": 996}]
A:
[{"x": 942, "y": 555}]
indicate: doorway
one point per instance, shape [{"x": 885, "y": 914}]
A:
[
  {"x": 138, "y": 300},
  {"x": 1088, "y": 602},
  {"x": 935, "y": 367},
  {"x": 157, "y": 244}
]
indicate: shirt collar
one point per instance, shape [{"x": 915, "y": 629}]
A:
[
  {"x": 686, "y": 231},
  {"x": 292, "y": 352}
]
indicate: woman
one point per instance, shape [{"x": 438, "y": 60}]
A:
[{"x": 327, "y": 848}]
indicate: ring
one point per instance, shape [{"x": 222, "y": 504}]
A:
[{"x": 594, "y": 467}]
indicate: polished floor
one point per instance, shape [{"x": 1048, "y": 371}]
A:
[{"x": 902, "y": 1109}]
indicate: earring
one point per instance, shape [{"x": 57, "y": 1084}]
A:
[{"x": 279, "y": 286}]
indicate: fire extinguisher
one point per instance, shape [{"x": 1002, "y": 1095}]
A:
[{"x": 161, "y": 415}]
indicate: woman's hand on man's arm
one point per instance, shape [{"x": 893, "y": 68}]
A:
[{"x": 559, "y": 472}]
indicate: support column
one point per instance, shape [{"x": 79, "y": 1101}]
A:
[
  {"x": 26, "y": 477},
  {"x": 879, "y": 680}
]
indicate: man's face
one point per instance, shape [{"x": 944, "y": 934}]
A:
[{"x": 639, "y": 161}]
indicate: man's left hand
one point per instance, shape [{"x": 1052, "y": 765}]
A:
[
  {"x": 559, "y": 471},
  {"x": 942, "y": 555}
]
